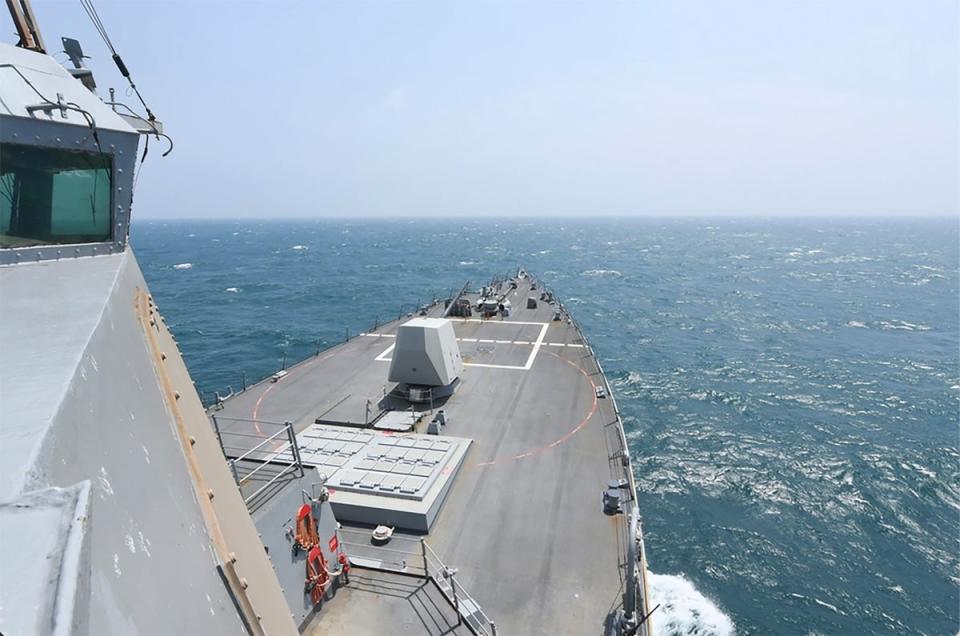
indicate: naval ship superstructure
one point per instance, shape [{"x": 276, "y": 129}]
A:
[{"x": 462, "y": 469}]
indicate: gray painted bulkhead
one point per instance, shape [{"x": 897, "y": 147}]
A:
[
  {"x": 274, "y": 520},
  {"x": 149, "y": 549},
  {"x": 95, "y": 395},
  {"x": 45, "y": 539}
]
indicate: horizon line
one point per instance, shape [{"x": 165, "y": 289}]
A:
[{"x": 570, "y": 217}]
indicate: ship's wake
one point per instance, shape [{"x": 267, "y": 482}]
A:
[{"x": 684, "y": 610}]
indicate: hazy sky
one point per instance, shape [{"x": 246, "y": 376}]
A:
[{"x": 835, "y": 107}]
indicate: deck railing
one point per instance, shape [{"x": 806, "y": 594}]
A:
[
  {"x": 414, "y": 557},
  {"x": 631, "y": 509},
  {"x": 424, "y": 562},
  {"x": 465, "y": 605},
  {"x": 277, "y": 451}
]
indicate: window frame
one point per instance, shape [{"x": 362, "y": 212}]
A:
[
  {"x": 62, "y": 209},
  {"x": 41, "y": 132}
]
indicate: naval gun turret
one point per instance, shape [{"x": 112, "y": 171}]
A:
[{"x": 426, "y": 360}]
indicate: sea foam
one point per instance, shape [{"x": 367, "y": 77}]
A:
[
  {"x": 684, "y": 610},
  {"x": 183, "y": 266},
  {"x": 602, "y": 272}
]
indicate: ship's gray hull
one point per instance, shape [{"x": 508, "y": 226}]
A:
[{"x": 83, "y": 399}]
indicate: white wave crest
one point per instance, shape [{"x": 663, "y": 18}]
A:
[
  {"x": 684, "y": 611},
  {"x": 902, "y": 325},
  {"x": 602, "y": 272},
  {"x": 183, "y": 266},
  {"x": 232, "y": 290},
  {"x": 467, "y": 263}
]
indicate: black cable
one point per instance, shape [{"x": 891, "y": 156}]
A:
[
  {"x": 156, "y": 133},
  {"x": 136, "y": 175},
  {"x": 169, "y": 141},
  {"x": 101, "y": 29},
  {"x": 28, "y": 83},
  {"x": 91, "y": 122}
]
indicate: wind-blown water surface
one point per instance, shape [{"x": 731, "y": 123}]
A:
[{"x": 790, "y": 388}]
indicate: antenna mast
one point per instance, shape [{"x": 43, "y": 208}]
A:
[{"x": 26, "y": 23}]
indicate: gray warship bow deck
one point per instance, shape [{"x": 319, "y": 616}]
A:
[
  {"x": 523, "y": 521},
  {"x": 119, "y": 500}
]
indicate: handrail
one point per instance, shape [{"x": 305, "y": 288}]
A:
[
  {"x": 471, "y": 613},
  {"x": 257, "y": 447},
  {"x": 295, "y": 463},
  {"x": 632, "y": 508},
  {"x": 248, "y": 419},
  {"x": 425, "y": 563}
]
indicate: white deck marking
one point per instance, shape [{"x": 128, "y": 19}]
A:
[
  {"x": 494, "y": 366},
  {"x": 487, "y": 341},
  {"x": 382, "y": 357},
  {"x": 536, "y": 344}
]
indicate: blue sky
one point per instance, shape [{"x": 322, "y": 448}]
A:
[{"x": 445, "y": 108}]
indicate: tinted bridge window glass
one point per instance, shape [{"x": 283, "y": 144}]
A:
[{"x": 52, "y": 196}]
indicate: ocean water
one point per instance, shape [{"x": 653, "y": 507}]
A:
[{"x": 790, "y": 388}]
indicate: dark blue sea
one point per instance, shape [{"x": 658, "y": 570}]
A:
[{"x": 790, "y": 388}]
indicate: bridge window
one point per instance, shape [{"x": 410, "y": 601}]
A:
[{"x": 53, "y": 196}]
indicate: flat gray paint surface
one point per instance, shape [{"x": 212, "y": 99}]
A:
[
  {"x": 98, "y": 414},
  {"x": 522, "y": 521},
  {"x": 42, "y": 341},
  {"x": 415, "y": 606},
  {"x": 273, "y": 520}
]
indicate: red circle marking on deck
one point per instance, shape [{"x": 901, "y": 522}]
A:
[
  {"x": 256, "y": 407},
  {"x": 565, "y": 437}
]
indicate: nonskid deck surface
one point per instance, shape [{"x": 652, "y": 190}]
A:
[
  {"x": 523, "y": 520},
  {"x": 416, "y": 606}
]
